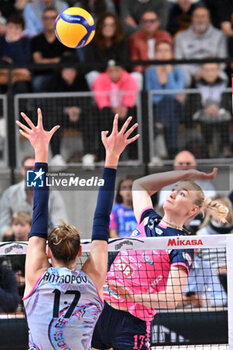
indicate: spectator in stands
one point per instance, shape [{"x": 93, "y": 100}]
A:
[
  {"x": 143, "y": 43},
  {"x": 65, "y": 112},
  {"x": 17, "y": 198},
  {"x": 114, "y": 82},
  {"x": 221, "y": 12},
  {"x": 217, "y": 258},
  {"x": 96, "y": 7},
  {"x": 15, "y": 49},
  {"x": 167, "y": 108},
  {"x": 9, "y": 297},
  {"x": 46, "y": 48},
  {"x": 185, "y": 160},
  {"x": 34, "y": 11},
  {"x": 203, "y": 287},
  {"x": 108, "y": 43},
  {"x": 200, "y": 40},
  {"x": 212, "y": 108},
  {"x": 132, "y": 10},
  {"x": 122, "y": 220},
  {"x": 21, "y": 226},
  {"x": 180, "y": 16},
  {"x": 7, "y": 9}
]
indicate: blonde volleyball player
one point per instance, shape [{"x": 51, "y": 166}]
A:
[
  {"x": 62, "y": 303},
  {"x": 139, "y": 282}
]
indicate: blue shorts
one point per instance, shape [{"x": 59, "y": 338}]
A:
[{"x": 120, "y": 330}]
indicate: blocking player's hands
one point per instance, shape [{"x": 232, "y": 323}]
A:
[
  {"x": 117, "y": 141},
  {"x": 123, "y": 291},
  {"x": 38, "y": 137}
]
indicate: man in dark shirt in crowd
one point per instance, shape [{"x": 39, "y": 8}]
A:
[{"x": 46, "y": 48}]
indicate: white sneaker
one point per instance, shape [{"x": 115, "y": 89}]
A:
[
  {"x": 88, "y": 161},
  {"x": 57, "y": 160}
]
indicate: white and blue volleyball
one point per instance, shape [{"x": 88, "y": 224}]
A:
[{"x": 75, "y": 27}]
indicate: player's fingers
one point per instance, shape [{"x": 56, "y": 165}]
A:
[
  {"x": 115, "y": 124},
  {"x": 24, "y": 134},
  {"x": 125, "y": 125},
  {"x": 29, "y": 122},
  {"x": 129, "y": 132},
  {"x": 132, "y": 139},
  {"x": 39, "y": 118},
  {"x": 214, "y": 172},
  {"x": 104, "y": 136},
  {"x": 54, "y": 129},
  {"x": 22, "y": 126}
]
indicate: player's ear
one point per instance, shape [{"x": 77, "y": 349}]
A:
[
  {"x": 48, "y": 252},
  {"x": 80, "y": 251}
]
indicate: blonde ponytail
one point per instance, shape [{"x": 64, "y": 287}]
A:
[{"x": 216, "y": 210}]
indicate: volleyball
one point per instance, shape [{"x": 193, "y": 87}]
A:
[{"x": 75, "y": 27}]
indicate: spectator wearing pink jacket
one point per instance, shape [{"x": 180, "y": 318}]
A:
[
  {"x": 114, "y": 81},
  {"x": 116, "y": 92}
]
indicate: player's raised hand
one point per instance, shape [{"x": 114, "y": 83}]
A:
[
  {"x": 38, "y": 137},
  {"x": 193, "y": 174},
  {"x": 117, "y": 141},
  {"x": 122, "y": 291}
]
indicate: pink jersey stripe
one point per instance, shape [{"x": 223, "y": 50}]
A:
[{"x": 33, "y": 288}]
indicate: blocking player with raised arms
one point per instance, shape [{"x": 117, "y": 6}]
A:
[
  {"x": 139, "y": 282},
  {"x": 63, "y": 303}
]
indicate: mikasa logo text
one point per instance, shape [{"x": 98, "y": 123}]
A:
[{"x": 183, "y": 242}]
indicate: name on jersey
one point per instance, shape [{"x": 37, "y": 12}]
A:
[
  {"x": 53, "y": 278},
  {"x": 183, "y": 242}
]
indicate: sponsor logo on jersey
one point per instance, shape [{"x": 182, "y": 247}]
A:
[
  {"x": 187, "y": 257},
  {"x": 124, "y": 268},
  {"x": 135, "y": 233},
  {"x": 182, "y": 242},
  {"x": 148, "y": 260},
  {"x": 158, "y": 231}
]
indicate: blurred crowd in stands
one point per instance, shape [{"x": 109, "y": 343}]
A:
[{"x": 126, "y": 31}]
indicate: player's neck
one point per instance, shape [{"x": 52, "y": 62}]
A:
[{"x": 172, "y": 222}]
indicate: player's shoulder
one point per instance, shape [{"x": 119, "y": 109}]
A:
[{"x": 149, "y": 213}]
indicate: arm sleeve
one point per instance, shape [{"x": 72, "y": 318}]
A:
[
  {"x": 180, "y": 257},
  {"x": 40, "y": 207},
  {"x": 105, "y": 199}
]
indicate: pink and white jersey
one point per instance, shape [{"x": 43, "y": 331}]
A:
[{"x": 145, "y": 271}]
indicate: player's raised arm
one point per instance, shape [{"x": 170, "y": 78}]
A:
[
  {"x": 36, "y": 259},
  {"x": 96, "y": 265},
  {"x": 145, "y": 187}
]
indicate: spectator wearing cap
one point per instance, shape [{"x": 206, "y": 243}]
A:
[
  {"x": 142, "y": 43},
  {"x": 132, "y": 10},
  {"x": 200, "y": 40},
  {"x": 116, "y": 92},
  {"x": 167, "y": 108},
  {"x": 108, "y": 43}
]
